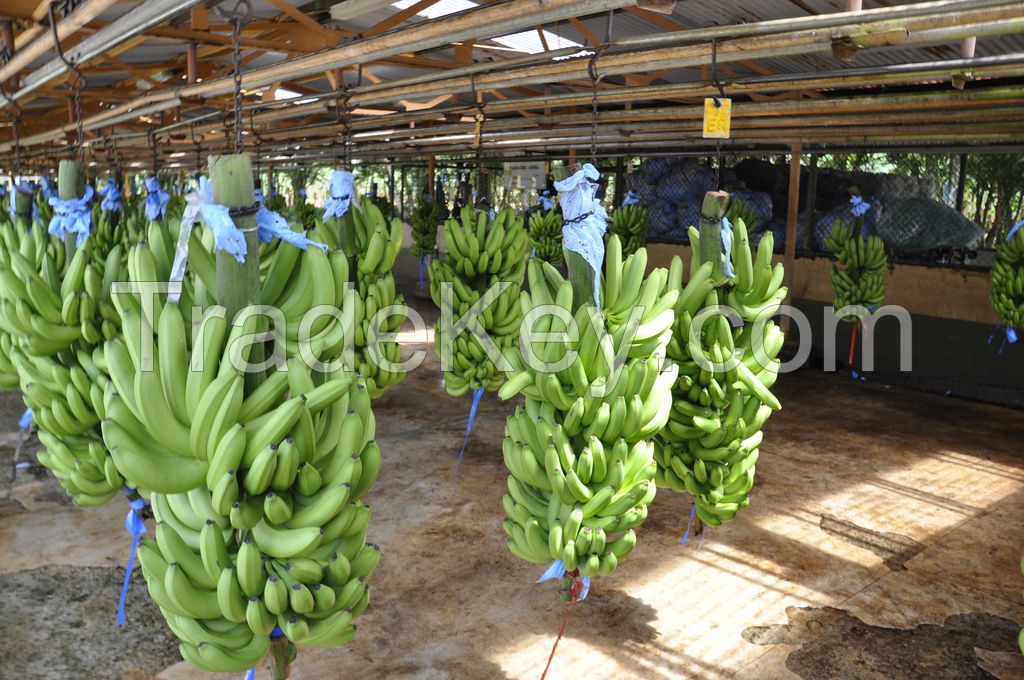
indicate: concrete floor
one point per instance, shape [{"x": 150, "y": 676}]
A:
[{"x": 883, "y": 540}]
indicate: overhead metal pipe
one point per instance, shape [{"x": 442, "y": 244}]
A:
[{"x": 143, "y": 17}]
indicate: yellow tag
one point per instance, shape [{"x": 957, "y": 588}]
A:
[{"x": 717, "y": 118}]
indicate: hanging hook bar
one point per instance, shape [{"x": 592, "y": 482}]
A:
[{"x": 595, "y": 78}]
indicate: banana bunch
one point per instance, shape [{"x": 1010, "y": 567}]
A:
[
  {"x": 629, "y": 223},
  {"x": 580, "y": 451},
  {"x": 8, "y": 371},
  {"x": 709, "y": 445},
  {"x": 274, "y": 533},
  {"x": 377, "y": 243},
  {"x": 43, "y": 208},
  {"x": 478, "y": 257},
  {"x": 861, "y": 280},
  {"x": 740, "y": 211},
  {"x": 424, "y": 227},
  {"x": 546, "y": 235},
  {"x": 49, "y": 303},
  {"x": 1007, "y": 296}
]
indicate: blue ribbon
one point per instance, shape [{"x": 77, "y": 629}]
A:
[
  {"x": 302, "y": 193},
  {"x": 72, "y": 216},
  {"x": 632, "y": 198},
  {"x": 557, "y": 570},
  {"x": 727, "y": 246},
  {"x": 250, "y": 674},
  {"x": 156, "y": 199},
  {"x": 3, "y": 191},
  {"x": 860, "y": 206},
  {"x": 422, "y": 261},
  {"x": 133, "y": 523},
  {"x": 25, "y": 421},
  {"x": 689, "y": 522},
  {"x": 271, "y": 225},
  {"x": 111, "y": 194},
  {"x": 546, "y": 203},
  {"x": 258, "y": 193},
  {"x": 1014, "y": 230},
  {"x": 341, "y": 194},
  {"x": 477, "y": 393},
  {"x": 46, "y": 188}
]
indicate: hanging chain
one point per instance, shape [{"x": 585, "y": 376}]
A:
[
  {"x": 77, "y": 85},
  {"x": 15, "y": 125},
  {"x": 198, "y": 145},
  {"x": 718, "y": 105},
  {"x": 478, "y": 134},
  {"x": 236, "y": 60},
  {"x": 237, "y": 16},
  {"x": 151, "y": 135},
  {"x": 595, "y": 77}
]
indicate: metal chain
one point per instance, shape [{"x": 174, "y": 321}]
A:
[
  {"x": 78, "y": 84},
  {"x": 15, "y": 121},
  {"x": 718, "y": 105},
  {"x": 481, "y": 118},
  {"x": 236, "y": 59},
  {"x": 237, "y": 16},
  {"x": 595, "y": 78}
]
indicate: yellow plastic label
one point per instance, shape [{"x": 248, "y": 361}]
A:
[{"x": 717, "y": 118}]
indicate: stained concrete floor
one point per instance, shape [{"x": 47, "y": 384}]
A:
[{"x": 882, "y": 541}]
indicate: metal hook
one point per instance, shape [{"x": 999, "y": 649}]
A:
[{"x": 714, "y": 72}]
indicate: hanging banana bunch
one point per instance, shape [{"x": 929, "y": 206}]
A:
[
  {"x": 1007, "y": 296},
  {"x": 256, "y": 492},
  {"x": 709, "y": 446},
  {"x": 479, "y": 256},
  {"x": 629, "y": 223},
  {"x": 546, "y": 236},
  {"x": 424, "y": 227},
  {"x": 580, "y": 451},
  {"x": 860, "y": 278},
  {"x": 55, "y": 313},
  {"x": 376, "y": 243}
]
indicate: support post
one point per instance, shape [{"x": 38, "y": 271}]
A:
[
  {"x": 7, "y": 41},
  {"x": 793, "y": 208},
  {"x": 70, "y": 185},
  {"x": 809, "y": 204},
  {"x": 961, "y": 183}
]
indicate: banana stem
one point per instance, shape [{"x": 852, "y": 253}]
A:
[
  {"x": 711, "y": 213},
  {"x": 347, "y": 238},
  {"x": 238, "y": 283},
  {"x": 581, "y": 276},
  {"x": 70, "y": 184},
  {"x": 283, "y": 652},
  {"x": 22, "y": 204}
]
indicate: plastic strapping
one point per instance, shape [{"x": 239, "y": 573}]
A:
[
  {"x": 134, "y": 525},
  {"x": 341, "y": 194},
  {"x": 727, "y": 246},
  {"x": 860, "y": 206},
  {"x": 271, "y": 225},
  {"x": 584, "y": 236},
  {"x": 689, "y": 523},
  {"x": 557, "y": 570},
  {"x": 156, "y": 199},
  {"x": 477, "y": 393},
  {"x": 72, "y": 216},
  {"x": 25, "y": 421}
]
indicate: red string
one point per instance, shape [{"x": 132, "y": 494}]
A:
[
  {"x": 575, "y": 588},
  {"x": 853, "y": 342}
]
